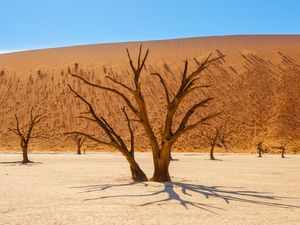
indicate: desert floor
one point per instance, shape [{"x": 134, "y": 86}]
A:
[{"x": 96, "y": 189}]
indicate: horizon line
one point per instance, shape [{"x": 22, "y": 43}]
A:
[{"x": 136, "y": 41}]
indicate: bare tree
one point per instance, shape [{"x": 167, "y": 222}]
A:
[
  {"x": 161, "y": 146},
  {"x": 26, "y": 133},
  {"x": 217, "y": 138},
  {"x": 261, "y": 149},
  {"x": 282, "y": 147},
  {"x": 79, "y": 140}
]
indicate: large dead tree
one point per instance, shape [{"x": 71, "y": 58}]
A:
[
  {"x": 218, "y": 138},
  {"x": 26, "y": 133},
  {"x": 161, "y": 146}
]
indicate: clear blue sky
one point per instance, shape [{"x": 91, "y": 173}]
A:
[{"x": 31, "y": 24}]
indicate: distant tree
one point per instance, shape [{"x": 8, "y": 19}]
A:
[
  {"x": 218, "y": 138},
  {"x": 161, "y": 146},
  {"x": 79, "y": 140},
  {"x": 76, "y": 66},
  {"x": 261, "y": 149},
  {"x": 25, "y": 133},
  {"x": 282, "y": 147}
]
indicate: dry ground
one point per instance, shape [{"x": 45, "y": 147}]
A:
[{"x": 96, "y": 189}]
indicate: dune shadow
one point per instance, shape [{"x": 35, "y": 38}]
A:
[{"x": 176, "y": 191}]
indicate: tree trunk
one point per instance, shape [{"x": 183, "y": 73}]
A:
[
  {"x": 259, "y": 153},
  {"x": 260, "y": 148},
  {"x": 161, "y": 166},
  {"x": 78, "y": 150},
  {"x": 25, "y": 154},
  {"x": 137, "y": 173},
  {"x": 282, "y": 153},
  {"x": 211, "y": 153}
]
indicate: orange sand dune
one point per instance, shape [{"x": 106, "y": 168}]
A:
[{"x": 257, "y": 87}]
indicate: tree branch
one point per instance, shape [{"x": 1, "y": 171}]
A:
[
  {"x": 90, "y": 137},
  {"x": 127, "y": 101},
  {"x": 191, "y": 111},
  {"x": 121, "y": 84},
  {"x": 131, "y": 131},
  {"x": 187, "y": 128},
  {"x": 164, "y": 86}
]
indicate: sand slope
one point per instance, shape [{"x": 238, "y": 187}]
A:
[
  {"x": 257, "y": 86},
  {"x": 96, "y": 189}
]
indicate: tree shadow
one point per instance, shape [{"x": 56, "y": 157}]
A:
[
  {"x": 20, "y": 163},
  {"x": 216, "y": 160},
  {"x": 227, "y": 194},
  {"x": 174, "y": 160}
]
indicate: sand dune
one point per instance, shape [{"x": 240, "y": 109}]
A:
[{"x": 257, "y": 87}]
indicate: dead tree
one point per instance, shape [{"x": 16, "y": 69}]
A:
[
  {"x": 218, "y": 138},
  {"x": 161, "y": 146},
  {"x": 261, "y": 149},
  {"x": 282, "y": 147},
  {"x": 79, "y": 140},
  {"x": 26, "y": 133},
  {"x": 115, "y": 140}
]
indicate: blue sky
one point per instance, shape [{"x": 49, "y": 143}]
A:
[{"x": 32, "y": 24}]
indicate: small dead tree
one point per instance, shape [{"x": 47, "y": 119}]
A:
[
  {"x": 282, "y": 147},
  {"x": 79, "y": 140},
  {"x": 216, "y": 139},
  {"x": 261, "y": 149},
  {"x": 26, "y": 133},
  {"x": 161, "y": 146}
]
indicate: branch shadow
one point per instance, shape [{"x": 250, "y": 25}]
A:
[{"x": 227, "y": 194}]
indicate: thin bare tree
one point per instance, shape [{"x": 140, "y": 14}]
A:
[
  {"x": 25, "y": 133},
  {"x": 161, "y": 146},
  {"x": 218, "y": 138},
  {"x": 282, "y": 147}
]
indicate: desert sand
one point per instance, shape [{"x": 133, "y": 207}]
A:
[
  {"x": 256, "y": 87},
  {"x": 96, "y": 189}
]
